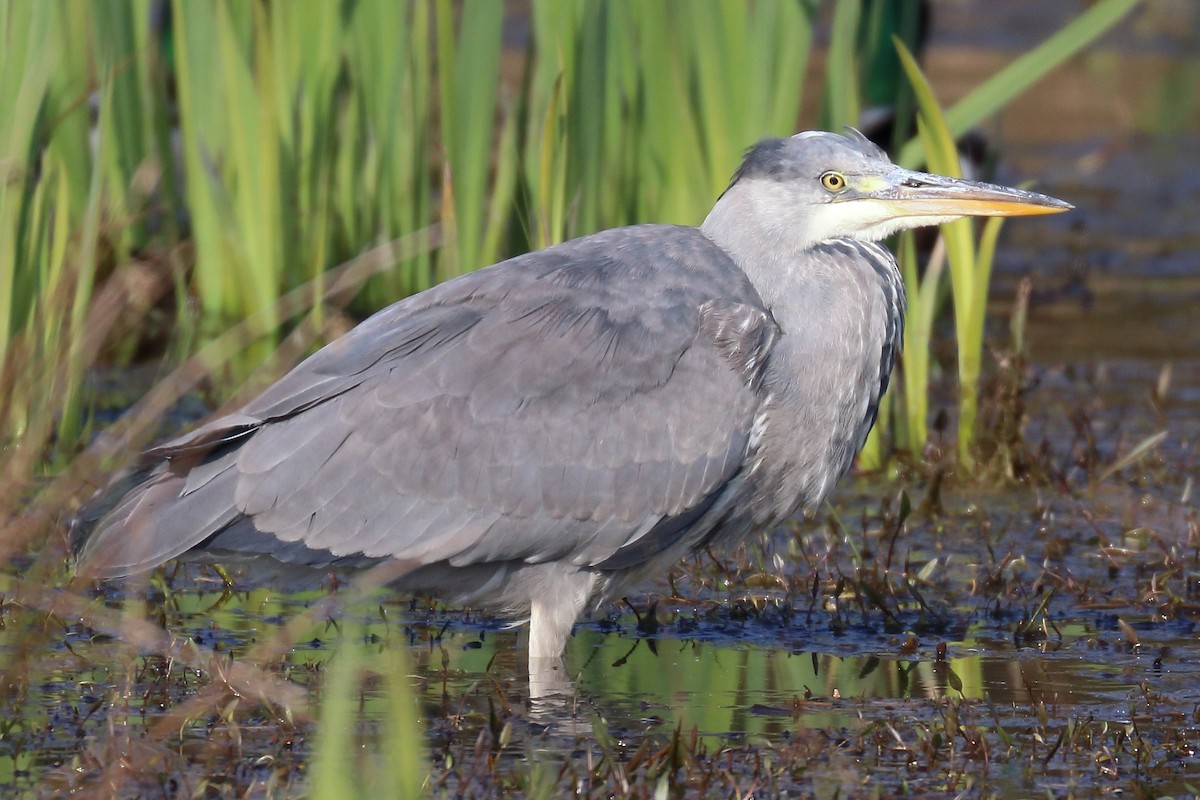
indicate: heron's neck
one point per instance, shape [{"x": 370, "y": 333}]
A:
[
  {"x": 839, "y": 303},
  {"x": 762, "y": 238}
]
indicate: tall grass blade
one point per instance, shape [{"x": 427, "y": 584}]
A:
[
  {"x": 336, "y": 768},
  {"x": 923, "y": 293},
  {"x": 468, "y": 80},
  {"x": 404, "y": 765},
  {"x": 841, "y": 68},
  {"x": 965, "y": 278},
  {"x": 350, "y": 760},
  {"x": 27, "y": 61}
]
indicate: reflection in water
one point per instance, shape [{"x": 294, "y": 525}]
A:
[
  {"x": 737, "y": 686},
  {"x": 729, "y": 691},
  {"x": 548, "y": 679}
]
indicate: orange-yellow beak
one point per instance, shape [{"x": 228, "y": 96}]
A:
[{"x": 919, "y": 194}]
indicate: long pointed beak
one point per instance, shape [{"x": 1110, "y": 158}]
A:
[{"x": 919, "y": 194}]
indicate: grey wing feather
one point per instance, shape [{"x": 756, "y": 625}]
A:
[
  {"x": 569, "y": 404},
  {"x": 160, "y": 519}
]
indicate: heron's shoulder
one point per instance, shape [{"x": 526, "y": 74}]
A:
[
  {"x": 677, "y": 260},
  {"x": 634, "y": 272},
  {"x": 648, "y": 245}
]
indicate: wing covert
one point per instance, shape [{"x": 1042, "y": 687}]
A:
[{"x": 562, "y": 405}]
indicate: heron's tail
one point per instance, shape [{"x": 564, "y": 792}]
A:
[{"x": 157, "y": 515}]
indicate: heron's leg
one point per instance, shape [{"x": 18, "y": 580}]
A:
[{"x": 552, "y": 614}]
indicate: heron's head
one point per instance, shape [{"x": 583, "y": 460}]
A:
[{"x": 817, "y": 186}]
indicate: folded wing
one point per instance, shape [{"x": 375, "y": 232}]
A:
[{"x": 586, "y": 403}]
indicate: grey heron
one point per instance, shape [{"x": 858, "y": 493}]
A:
[{"x": 540, "y": 435}]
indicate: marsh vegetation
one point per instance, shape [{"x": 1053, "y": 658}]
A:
[{"x": 1003, "y": 603}]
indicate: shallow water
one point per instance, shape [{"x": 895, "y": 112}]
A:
[{"x": 1008, "y": 642}]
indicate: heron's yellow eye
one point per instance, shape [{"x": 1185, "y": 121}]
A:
[{"x": 834, "y": 181}]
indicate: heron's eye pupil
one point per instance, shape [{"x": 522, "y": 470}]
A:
[{"x": 833, "y": 181}]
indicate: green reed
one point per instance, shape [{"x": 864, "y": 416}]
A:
[
  {"x": 968, "y": 257},
  {"x": 357, "y": 758},
  {"x": 240, "y": 150}
]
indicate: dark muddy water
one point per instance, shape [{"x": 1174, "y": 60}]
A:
[{"x": 1044, "y": 637}]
